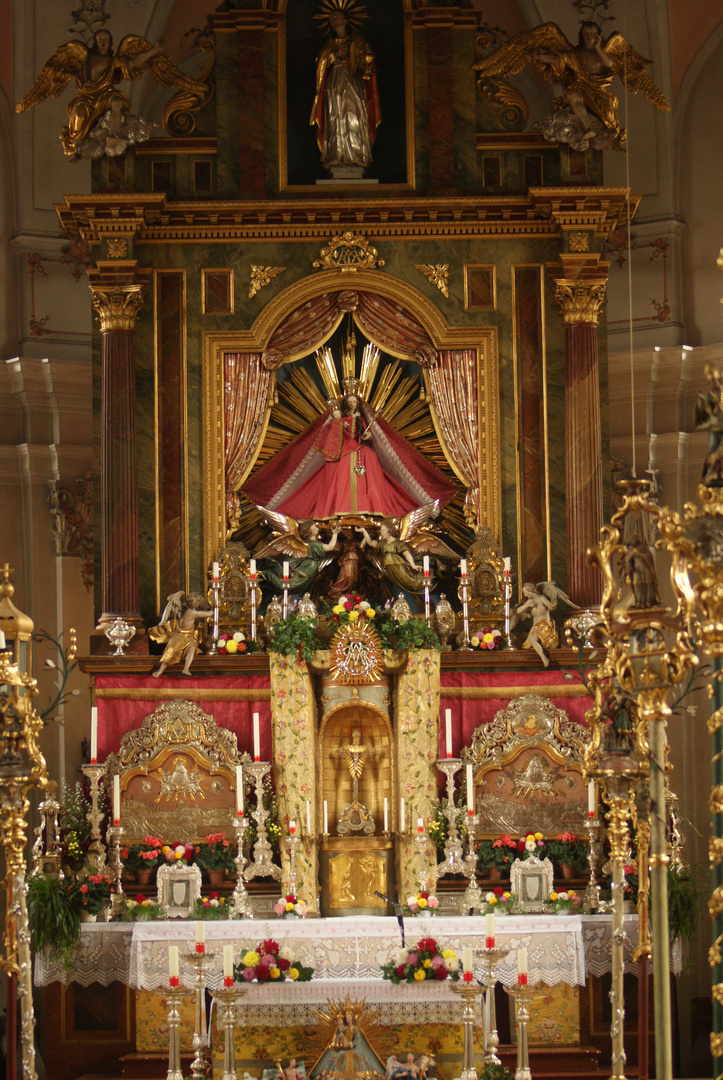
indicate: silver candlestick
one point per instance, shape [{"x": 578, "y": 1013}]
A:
[
  {"x": 427, "y": 613},
  {"x": 469, "y": 992},
  {"x": 472, "y": 900},
  {"x": 284, "y": 597},
  {"x": 174, "y": 998},
  {"x": 292, "y": 842},
  {"x": 240, "y": 903},
  {"x": 96, "y": 850},
  {"x": 489, "y": 959},
  {"x": 454, "y": 862},
  {"x": 215, "y": 588},
  {"x": 115, "y": 833},
  {"x": 522, "y": 996},
  {"x": 252, "y": 579},
  {"x": 420, "y": 839},
  {"x": 463, "y": 639},
  {"x": 226, "y": 1002},
  {"x": 507, "y": 592},
  {"x": 262, "y": 866},
  {"x": 199, "y": 962}
]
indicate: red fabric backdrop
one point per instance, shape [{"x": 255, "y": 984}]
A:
[{"x": 116, "y": 716}]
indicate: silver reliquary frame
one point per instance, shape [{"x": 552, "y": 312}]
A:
[
  {"x": 531, "y": 882},
  {"x": 179, "y": 887}
]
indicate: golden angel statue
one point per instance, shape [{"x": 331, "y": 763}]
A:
[
  {"x": 399, "y": 541},
  {"x": 540, "y": 601},
  {"x": 177, "y": 630},
  {"x": 100, "y": 118},
  {"x": 587, "y": 113},
  {"x": 307, "y": 553}
]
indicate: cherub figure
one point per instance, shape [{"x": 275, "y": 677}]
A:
[
  {"x": 100, "y": 118},
  {"x": 178, "y": 628},
  {"x": 540, "y": 600},
  {"x": 587, "y": 113}
]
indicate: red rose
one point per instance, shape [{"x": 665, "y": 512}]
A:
[
  {"x": 424, "y": 894},
  {"x": 440, "y": 973},
  {"x": 498, "y": 891},
  {"x": 84, "y": 888},
  {"x": 214, "y": 896},
  {"x": 520, "y": 845},
  {"x": 139, "y": 898},
  {"x": 348, "y": 605},
  {"x": 290, "y": 899},
  {"x": 399, "y": 971},
  {"x": 283, "y": 965}
]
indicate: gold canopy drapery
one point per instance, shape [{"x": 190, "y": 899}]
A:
[{"x": 451, "y": 378}]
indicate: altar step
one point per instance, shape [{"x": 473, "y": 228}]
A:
[
  {"x": 151, "y": 1066},
  {"x": 548, "y": 1062}
]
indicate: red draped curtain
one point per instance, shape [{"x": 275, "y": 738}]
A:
[{"x": 452, "y": 379}]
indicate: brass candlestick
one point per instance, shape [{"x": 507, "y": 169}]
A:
[
  {"x": 199, "y": 962},
  {"x": 454, "y": 862},
  {"x": 174, "y": 997},
  {"x": 240, "y": 902},
  {"x": 469, "y": 993},
  {"x": 96, "y": 850},
  {"x": 489, "y": 959},
  {"x": 226, "y": 1003},
  {"x": 115, "y": 832},
  {"x": 591, "y": 899},
  {"x": 262, "y": 866}
]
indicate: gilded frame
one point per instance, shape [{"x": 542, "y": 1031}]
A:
[{"x": 483, "y": 340}]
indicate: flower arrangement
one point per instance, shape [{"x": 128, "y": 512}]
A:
[
  {"x": 140, "y": 909},
  {"x": 271, "y": 962},
  {"x": 563, "y": 901},
  {"x": 489, "y": 638},
  {"x": 425, "y": 961},
  {"x": 212, "y": 908},
  {"x": 422, "y": 903},
  {"x": 91, "y": 894},
  {"x": 174, "y": 853},
  {"x": 232, "y": 643},
  {"x": 531, "y": 846},
  {"x": 499, "y": 901},
  {"x": 497, "y": 854},
  {"x": 352, "y": 608},
  {"x": 568, "y": 849},
  {"x": 143, "y": 856},
  {"x": 215, "y": 853},
  {"x": 290, "y": 907}
]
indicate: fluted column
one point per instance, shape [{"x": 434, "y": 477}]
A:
[
  {"x": 117, "y": 309},
  {"x": 580, "y": 302}
]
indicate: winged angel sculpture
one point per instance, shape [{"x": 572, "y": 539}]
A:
[
  {"x": 587, "y": 113},
  {"x": 100, "y": 118},
  {"x": 539, "y": 603}
]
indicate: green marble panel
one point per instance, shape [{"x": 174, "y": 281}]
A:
[
  {"x": 464, "y": 109},
  {"x": 228, "y": 123}
]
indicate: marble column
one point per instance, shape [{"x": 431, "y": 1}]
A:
[
  {"x": 117, "y": 309},
  {"x": 580, "y": 301}
]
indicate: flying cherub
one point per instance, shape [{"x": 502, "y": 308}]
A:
[
  {"x": 587, "y": 113},
  {"x": 307, "y": 553},
  {"x": 177, "y": 630},
  {"x": 540, "y": 600},
  {"x": 400, "y": 540},
  {"x": 100, "y": 118}
]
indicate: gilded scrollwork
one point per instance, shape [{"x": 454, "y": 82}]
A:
[
  {"x": 261, "y": 276},
  {"x": 180, "y": 725},
  {"x": 348, "y": 252},
  {"x": 437, "y": 274}
]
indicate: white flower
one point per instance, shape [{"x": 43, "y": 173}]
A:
[
  {"x": 562, "y": 896},
  {"x": 285, "y": 953},
  {"x": 411, "y": 901},
  {"x": 489, "y": 896},
  {"x": 213, "y": 903},
  {"x": 400, "y": 957},
  {"x": 131, "y": 903},
  {"x": 238, "y": 636},
  {"x": 180, "y": 848},
  {"x": 364, "y": 605},
  {"x": 451, "y": 963},
  {"x": 530, "y": 845}
]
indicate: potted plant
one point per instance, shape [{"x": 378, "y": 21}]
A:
[
  {"x": 569, "y": 853},
  {"x": 296, "y": 635},
  {"x": 54, "y": 917},
  {"x": 216, "y": 856},
  {"x": 290, "y": 907},
  {"x": 142, "y": 860},
  {"x": 91, "y": 895},
  {"x": 495, "y": 857},
  {"x": 140, "y": 909}
]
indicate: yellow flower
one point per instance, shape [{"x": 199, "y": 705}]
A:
[
  {"x": 251, "y": 959},
  {"x": 231, "y": 646},
  {"x": 475, "y": 642},
  {"x": 165, "y": 848},
  {"x": 449, "y": 954},
  {"x": 553, "y": 896},
  {"x": 289, "y": 906},
  {"x": 339, "y": 609},
  {"x": 427, "y": 963},
  {"x": 353, "y": 616},
  {"x": 493, "y": 900},
  {"x": 274, "y": 972},
  {"x": 420, "y": 974},
  {"x": 422, "y": 902},
  {"x": 370, "y": 613},
  {"x": 507, "y": 895},
  {"x": 538, "y": 836},
  {"x": 571, "y": 892},
  {"x": 293, "y": 973},
  {"x": 178, "y": 854}
]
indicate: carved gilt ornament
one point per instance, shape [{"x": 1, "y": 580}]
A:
[
  {"x": 356, "y": 654},
  {"x": 118, "y": 308},
  {"x": 260, "y": 276},
  {"x": 580, "y": 301},
  {"x": 348, "y": 252},
  {"x": 436, "y": 274}
]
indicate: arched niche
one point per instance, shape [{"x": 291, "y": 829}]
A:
[
  {"x": 481, "y": 341},
  {"x": 376, "y": 782}
]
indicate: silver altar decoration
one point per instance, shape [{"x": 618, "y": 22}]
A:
[
  {"x": 531, "y": 881},
  {"x": 120, "y": 634},
  {"x": 96, "y": 855},
  {"x": 469, "y": 992},
  {"x": 490, "y": 958},
  {"x": 174, "y": 997},
  {"x": 115, "y": 834},
  {"x": 262, "y": 866},
  {"x": 200, "y": 1066},
  {"x": 46, "y": 848},
  {"x": 240, "y": 905},
  {"x": 454, "y": 861},
  {"x": 226, "y": 1004}
]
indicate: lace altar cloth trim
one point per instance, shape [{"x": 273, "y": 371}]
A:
[
  {"x": 598, "y": 938},
  {"x": 102, "y": 957}
]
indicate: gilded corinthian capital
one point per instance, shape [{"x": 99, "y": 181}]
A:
[
  {"x": 117, "y": 308},
  {"x": 580, "y": 301}
]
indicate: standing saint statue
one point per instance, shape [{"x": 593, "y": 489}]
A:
[{"x": 346, "y": 107}]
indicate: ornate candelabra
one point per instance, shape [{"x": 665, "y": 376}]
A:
[
  {"x": 115, "y": 834},
  {"x": 46, "y": 848},
  {"x": 253, "y": 600},
  {"x": 522, "y": 996},
  {"x": 292, "y": 842},
  {"x": 472, "y": 899},
  {"x": 226, "y": 1003},
  {"x": 215, "y": 589},
  {"x": 454, "y": 861},
  {"x": 507, "y": 594},
  {"x": 174, "y": 998},
  {"x": 199, "y": 962},
  {"x": 240, "y": 902},
  {"x": 96, "y": 849},
  {"x": 469, "y": 993},
  {"x": 591, "y": 901},
  {"x": 463, "y": 639},
  {"x": 490, "y": 958},
  {"x": 262, "y": 866}
]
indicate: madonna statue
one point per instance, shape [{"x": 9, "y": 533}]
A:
[{"x": 349, "y": 461}]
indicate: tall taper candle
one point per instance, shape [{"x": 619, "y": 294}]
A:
[
  {"x": 508, "y": 564},
  {"x": 200, "y": 936},
  {"x": 467, "y": 973},
  {"x": 257, "y": 738},
  {"x": 490, "y": 930},
  {"x": 308, "y": 818},
  {"x": 591, "y": 798},
  {"x": 448, "y": 730},
  {"x": 94, "y": 735},
  {"x": 386, "y": 814},
  {"x": 326, "y": 818},
  {"x": 228, "y": 965},
  {"x": 402, "y": 816},
  {"x": 173, "y": 965},
  {"x": 116, "y": 799},
  {"x": 240, "y": 790},
  {"x": 522, "y": 966},
  {"x": 470, "y": 788}
]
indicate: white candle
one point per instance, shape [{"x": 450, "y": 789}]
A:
[
  {"x": 448, "y": 730},
  {"x": 116, "y": 799},
  {"x": 173, "y": 965},
  {"x": 470, "y": 788},
  {"x": 490, "y": 930},
  {"x": 292, "y": 827},
  {"x": 93, "y": 735},
  {"x": 463, "y": 567},
  {"x": 386, "y": 814},
  {"x": 402, "y": 816},
  {"x": 591, "y": 798},
  {"x": 200, "y": 936},
  {"x": 2, "y": 640},
  {"x": 240, "y": 790},
  {"x": 285, "y": 571},
  {"x": 326, "y": 818},
  {"x": 420, "y": 824},
  {"x": 425, "y": 565},
  {"x": 257, "y": 738},
  {"x": 467, "y": 963},
  {"x": 522, "y": 965},
  {"x": 508, "y": 564},
  {"x": 215, "y": 572},
  {"x": 308, "y": 818},
  {"x": 228, "y": 965},
  {"x": 252, "y": 567}
]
